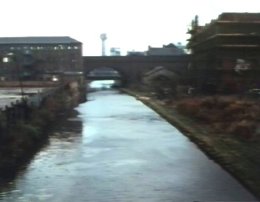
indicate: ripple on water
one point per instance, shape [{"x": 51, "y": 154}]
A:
[{"x": 128, "y": 162}]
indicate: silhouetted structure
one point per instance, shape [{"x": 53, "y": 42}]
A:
[
  {"x": 103, "y": 38},
  {"x": 226, "y": 53},
  {"x": 115, "y": 51},
  {"x": 169, "y": 49},
  {"x": 132, "y": 68}
]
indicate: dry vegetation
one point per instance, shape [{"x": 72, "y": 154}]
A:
[
  {"x": 231, "y": 133},
  {"x": 228, "y": 115}
]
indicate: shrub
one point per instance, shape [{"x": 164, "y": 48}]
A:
[
  {"x": 2, "y": 123},
  {"x": 223, "y": 102},
  {"x": 28, "y": 131},
  {"x": 208, "y": 102},
  {"x": 235, "y": 108},
  {"x": 204, "y": 115},
  {"x": 188, "y": 107},
  {"x": 237, "y": 117},
  {"x": 243, "y": 128}
]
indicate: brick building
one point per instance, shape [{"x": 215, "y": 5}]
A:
[
  {"x": 226, "y": 53},
  {"x": 36, "y": 58}
]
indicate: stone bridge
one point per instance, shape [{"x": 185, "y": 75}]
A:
[{"x": 133, "y": 68}]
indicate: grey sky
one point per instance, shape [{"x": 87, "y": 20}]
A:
[{"x": 129, "y": 24}]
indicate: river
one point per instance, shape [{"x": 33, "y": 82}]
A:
[{"x": 118, "y": 150}]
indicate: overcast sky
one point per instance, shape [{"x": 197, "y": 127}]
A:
[{"x": 129, "y": 24}]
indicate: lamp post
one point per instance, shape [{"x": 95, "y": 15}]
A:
[{"x": 14, "y": 57}]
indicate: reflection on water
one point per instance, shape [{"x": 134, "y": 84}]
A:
[
  {"x": 118, "y": 150},
  {"x": 51, "y": 159},
  {"x": 103, "y": 84}
]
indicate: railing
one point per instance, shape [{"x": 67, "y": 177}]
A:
[{"x": 21, "y": 109}]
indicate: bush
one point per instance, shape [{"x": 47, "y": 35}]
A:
[
  {"x": 241, "y": 115},
  {"x": 243, "y": 128},
  {"x": 188, "y": 107},
  {"x": 28, "y": 131},
  {"x": 2, "y": 124},
  {"x": 208, "y": 102},
  {"x": 235, "y": 108}
]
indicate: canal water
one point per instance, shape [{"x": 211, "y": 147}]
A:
[{"x": 118, "y": 150}]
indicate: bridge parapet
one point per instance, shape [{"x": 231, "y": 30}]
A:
[{"x": 132, "y": 68}]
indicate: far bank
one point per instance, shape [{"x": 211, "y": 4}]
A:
[{"x": 25, "y": 124}]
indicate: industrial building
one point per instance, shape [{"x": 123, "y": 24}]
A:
[{"x": 38, "y": 58}]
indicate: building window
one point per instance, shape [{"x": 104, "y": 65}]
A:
[
  {"x": 6, "y": 59},
  {"x": 39, "y": 48},
  {"x": 61, "y": 47}
]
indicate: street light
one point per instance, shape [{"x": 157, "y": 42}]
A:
[{"x": 14, "y": 57}]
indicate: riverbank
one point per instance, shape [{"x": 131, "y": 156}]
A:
[
  {"x": 25, "y": 128},
  {"x": 239, "y": 157}
]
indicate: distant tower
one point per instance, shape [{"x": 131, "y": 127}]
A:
[{"x": 103, "y": 37}]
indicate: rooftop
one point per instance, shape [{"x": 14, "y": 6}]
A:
[
  {"x": 38, "y": 40},
  {"x": 241, "y": 17}
]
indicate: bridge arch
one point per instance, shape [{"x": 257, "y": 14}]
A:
[
  {"x": 133, "y": 68},
  {"x": 106, "y": 73}
]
